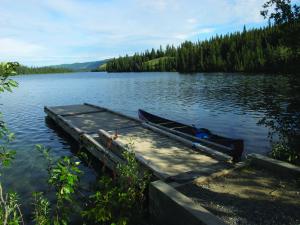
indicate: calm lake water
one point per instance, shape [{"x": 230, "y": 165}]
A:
[{"x": 227, "y": 104}]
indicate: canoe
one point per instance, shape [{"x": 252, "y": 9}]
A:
[{"x": 230, "y": 146}]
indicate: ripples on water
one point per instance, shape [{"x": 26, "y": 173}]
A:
[{"x": 227, "y": 104}]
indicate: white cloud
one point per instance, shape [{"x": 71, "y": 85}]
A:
[
  {"x": 12, "y": 47},
  {"x": 248, "y": 11},
  {"x": 157, "y": 5},
  {"x": 185, "y": 36},
  {"x": 191, "y": 20},
  {"x": 64, "y": 30},
  {"x": 205, "y": 31}
]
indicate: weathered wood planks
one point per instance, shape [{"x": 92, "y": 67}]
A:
[{"x": 167, "y": 156}]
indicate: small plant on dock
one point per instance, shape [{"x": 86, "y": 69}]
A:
[{"x": 120, "y": 200}]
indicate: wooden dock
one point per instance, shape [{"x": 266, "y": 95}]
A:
[{"x": 106, "y": 134}]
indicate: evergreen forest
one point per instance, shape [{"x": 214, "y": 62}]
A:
[
  {"x": 274, "y": 48},
  {"x": 41, "y": 70}
]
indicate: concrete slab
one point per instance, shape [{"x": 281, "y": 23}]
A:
[
  {"x": 277, "y": 166},
  {"x": 170, "y": 207}
]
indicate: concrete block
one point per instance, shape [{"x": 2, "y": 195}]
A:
[
  {"x": 277, "y": 166},
  {"x": 170, "y": 207}
]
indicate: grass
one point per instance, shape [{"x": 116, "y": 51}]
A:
[
  {"x": 103, "y": 67},
  {"x": 152, "y": 63}
]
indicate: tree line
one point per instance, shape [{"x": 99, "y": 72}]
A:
[
  {"x": 41, "y": 70},
  {"x": 275, "y": 48}
]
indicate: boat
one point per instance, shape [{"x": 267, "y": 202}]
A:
[{"x": 229, "y": 146}]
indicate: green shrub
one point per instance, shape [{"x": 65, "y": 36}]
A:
[
  {"x": 121, "y": 200},
  {"x": 283, "y": 152}
]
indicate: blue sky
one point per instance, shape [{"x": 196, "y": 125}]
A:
[{"x": 47, "y": 32}]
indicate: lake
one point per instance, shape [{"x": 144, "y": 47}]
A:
[{"x": 227, "y": 104}]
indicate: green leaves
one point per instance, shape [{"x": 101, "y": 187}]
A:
[
  {"x": 6, "y": 154},
  {"x": 9, "y": 207},
  {"x": 283, "y": 151},
  {"x": 41, "y": 214},
  {"x": 121, "y": 200},
  {"x": 8, "y": 85},
  {"x": 6, "y": 70},
  {"x": 10, "y": 212},
  {"x": 64, "y": 176},
  {"x": 281, "y": 11}
]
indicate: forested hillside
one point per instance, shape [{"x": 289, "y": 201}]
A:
[
  {"x": 63, "y": 68},
  {"x": 275, "y": 48},
  {"x": 85, "y": 66},
  {"x": 40, "y": 70},
  {"x": 269, "y": 49}
]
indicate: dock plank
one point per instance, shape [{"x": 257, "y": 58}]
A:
[
  {"x": 69, "y": 109},
  {"x": 91, "y": 123},
  {"x": 166, "y": 154}
]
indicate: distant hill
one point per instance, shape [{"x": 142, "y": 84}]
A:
[{"x": 85, "y": 66}]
